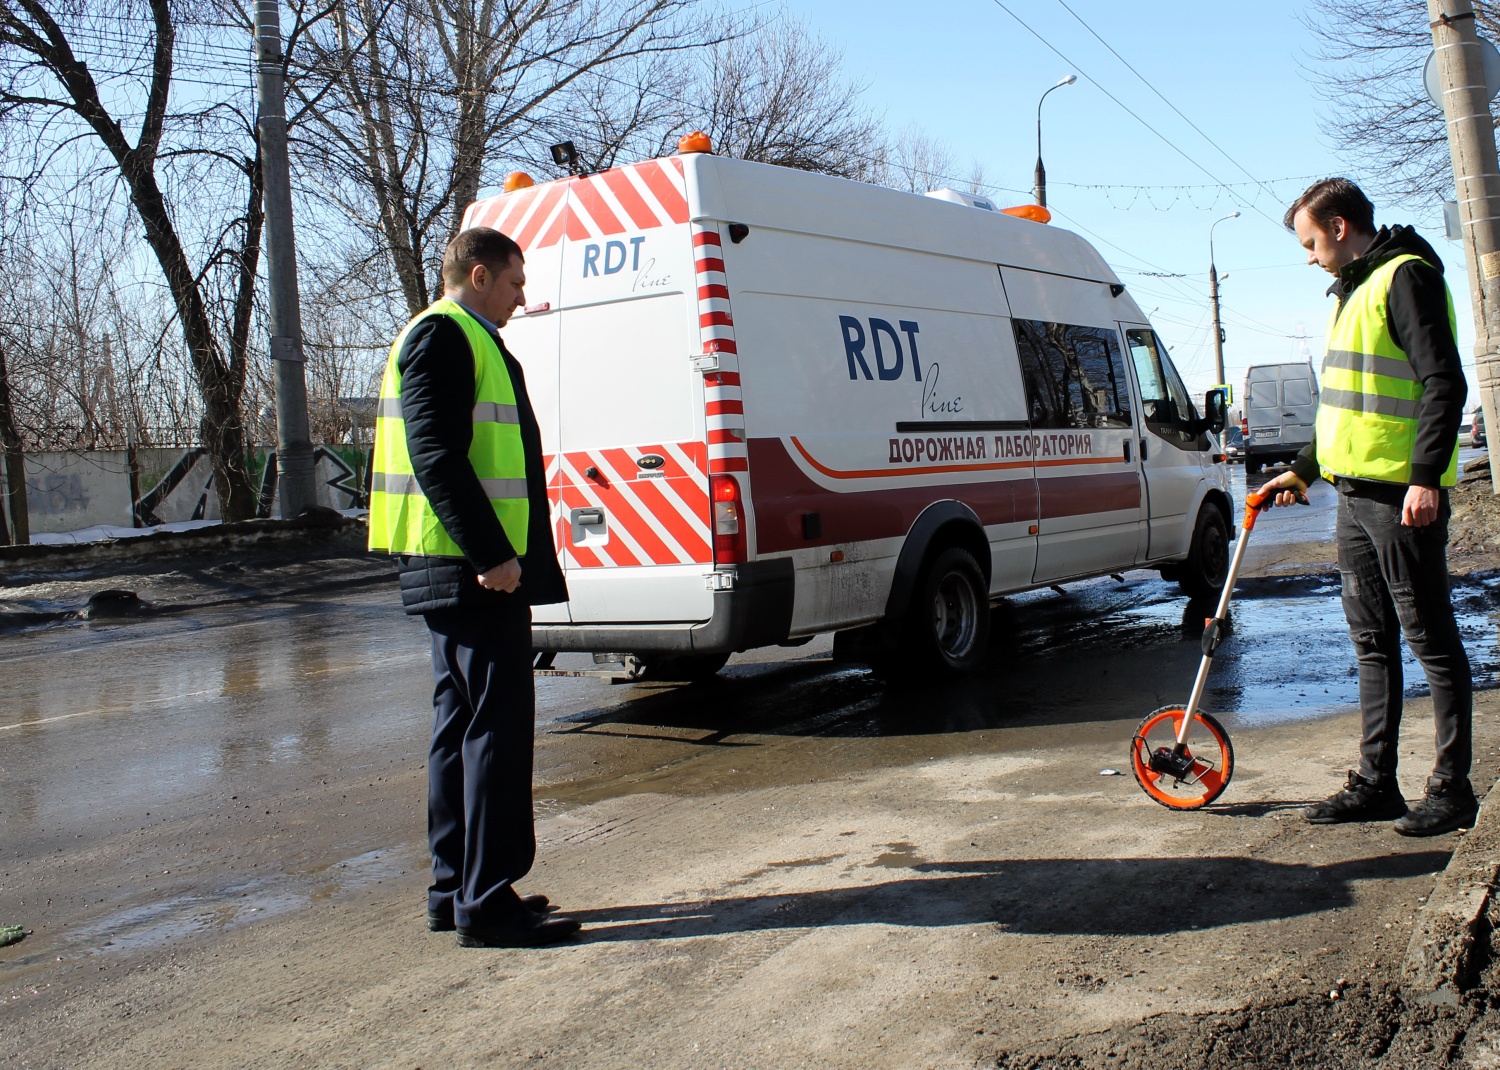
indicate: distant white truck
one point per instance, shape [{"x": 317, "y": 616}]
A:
[
  {"x": 778, "y": 404},
  {"x": 1281, "y": 408}
]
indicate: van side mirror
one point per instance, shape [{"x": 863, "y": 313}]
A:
[{"x": 1216, "y": 410}]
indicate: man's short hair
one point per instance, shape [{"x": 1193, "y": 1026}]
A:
[
  {"x": 479, "y": 245},
  {"x": 1332, "y": 198}
]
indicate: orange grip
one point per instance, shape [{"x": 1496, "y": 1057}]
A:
[{"x": 1255, "y": 501}]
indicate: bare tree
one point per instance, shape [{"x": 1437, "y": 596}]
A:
[
  {"x": 1368, "y": 70},
  {"x": 78, "y": 75},
  {"x": 917, "y": 162},
  {"x": 780, "y": 96},
  {"x": 414, "y": 102}
]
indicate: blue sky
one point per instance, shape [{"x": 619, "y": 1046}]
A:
[{"x": 968, "y": 73}]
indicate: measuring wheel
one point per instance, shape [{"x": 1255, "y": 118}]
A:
[{"x": 1181, "y": 770}]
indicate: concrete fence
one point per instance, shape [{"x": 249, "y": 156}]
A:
[{"x": 144, "y": 487}]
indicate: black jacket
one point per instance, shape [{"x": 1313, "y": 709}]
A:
[
  {"x": 1417, "y": 315},
  {"x": 437, "y": 405}
]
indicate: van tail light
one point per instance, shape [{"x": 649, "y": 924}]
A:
[{"x": 730, "y": 546}]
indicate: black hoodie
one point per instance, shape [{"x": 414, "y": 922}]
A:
[{"x": 1417, "y": 315}]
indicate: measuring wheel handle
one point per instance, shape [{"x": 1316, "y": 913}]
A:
[{"x": 1185, "y": 774}]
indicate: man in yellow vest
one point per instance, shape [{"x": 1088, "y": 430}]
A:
[
  {"x": 1391, "y": 401},
  {"x": 458, "y": 494}
]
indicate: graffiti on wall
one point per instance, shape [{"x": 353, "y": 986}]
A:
[{"x": 185, "y": 491}]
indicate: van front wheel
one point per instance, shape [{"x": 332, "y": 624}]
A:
[
  {"x": 946, "y": 629},
  {"x": 1207, "y": 565}
]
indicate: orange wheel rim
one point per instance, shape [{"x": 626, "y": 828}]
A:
[{"x": 1206, "y": 744}]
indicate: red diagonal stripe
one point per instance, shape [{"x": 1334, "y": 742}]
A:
[
  {"x": 616, "y": 550},
  {"x": 713, "y": 379},
  {"x": 665, "y": 190},
  {"x": 707, "y": 237},
  {"x": 574, "y": 226},
  {"x": 652, "y": 499},
  {"x": 587, "y": 196},
  {"x": 624, "y": 512},
  {"x": 714, "y": 290},
  {"x": 641, "y": 213},
  {"x": 715, "y": 319},
  {"x": 511, "y": 207},
  {"x": 725, "y": 408},
  {"x": 708, "y": 263},
  {"x": 545, "y": 203}
]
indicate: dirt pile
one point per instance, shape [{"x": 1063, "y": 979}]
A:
[
  {"x": 1474, "y": 529},
  {"x": 1364, "y": 1029}
]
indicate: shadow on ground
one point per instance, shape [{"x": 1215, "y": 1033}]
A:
[{"x": 1084, "y": 897}]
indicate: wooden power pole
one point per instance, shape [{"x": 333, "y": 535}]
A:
[
  {"x": 1476, "y": 176},
  {"x": 294, "y": 455}
]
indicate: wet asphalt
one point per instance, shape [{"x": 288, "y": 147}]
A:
[{"x": 110, "y": 727}]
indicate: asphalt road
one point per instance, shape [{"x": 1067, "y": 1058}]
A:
[{"x": 191, "y": 805}]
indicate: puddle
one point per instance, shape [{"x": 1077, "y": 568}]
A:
[
  {"x": 898, "y": 856},
  {"x": 151, "y": 925}
]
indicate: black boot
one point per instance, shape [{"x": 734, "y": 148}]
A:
[
  {"x": 1359, "y": 800},
  {"x": 1448, "y": 805}
]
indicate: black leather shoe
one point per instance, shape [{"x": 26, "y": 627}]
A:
[
  {"x": 530, "y": 930},
  {"x": 1446, "y": 806},
  {"x": 1359, "y": 800},
  {"x": 441, "y": 921}
]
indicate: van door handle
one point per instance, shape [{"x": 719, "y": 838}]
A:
[
  {"x": 589, "y": 516},
  {"x": 1126, "y": 444},
  {"x": 1143, "y": 449}
]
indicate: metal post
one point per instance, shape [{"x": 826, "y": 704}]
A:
[
  {"x": 1039, "y": 187},
  {"x": 294, "y": 457},
  {"x": 1476, "y": 176},
  {"x": 1213, "y": 296}
]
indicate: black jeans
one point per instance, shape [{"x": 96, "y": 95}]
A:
[
  {"x": 479, "y": 815},
  {"x": 1396, "y": 583}
]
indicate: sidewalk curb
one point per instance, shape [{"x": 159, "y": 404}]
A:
[{"x": 1452, "y": 931}]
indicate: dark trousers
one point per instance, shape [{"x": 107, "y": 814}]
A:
[
  {"x": 1395, "y": 582},
  {"x": 479, "y": 817}
]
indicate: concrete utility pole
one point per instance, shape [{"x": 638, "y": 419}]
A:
[
  {"x": 1476, "y": 174},
  {"x": 1213, "y": 295},
  {"x": 294, "y": 457}
]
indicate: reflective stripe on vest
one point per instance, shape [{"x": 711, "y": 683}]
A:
[
  {"x": 1370, "y": 396},
  {"x": 402, "y": 520}
]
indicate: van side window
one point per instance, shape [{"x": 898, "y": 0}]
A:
[
  {"x": 1075, "y": 376},
  {"x": 1296, "y": 392},
  {"x": 1165, "y": 403}
]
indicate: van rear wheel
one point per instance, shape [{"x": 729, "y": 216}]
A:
[
  {"x": 946, "y": 629},
  {"x": 1207, "y": 567}
]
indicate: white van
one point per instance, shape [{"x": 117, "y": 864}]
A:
[
  {"x": 1281, "y": 408},
  {"x": 777, "y": 404}
]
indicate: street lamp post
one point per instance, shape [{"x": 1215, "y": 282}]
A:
[
  {"x": 1041, "y": 172},
  {"x": 1213, "y": 295}
]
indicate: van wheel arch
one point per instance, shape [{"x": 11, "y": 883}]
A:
[
  {"x": 941, "y": 525},
  {"x": 1207, "y": 565}
]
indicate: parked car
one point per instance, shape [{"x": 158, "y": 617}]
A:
[
  {"x": 1476, "y": 428},
  {"x": 1234, "y": 444}
]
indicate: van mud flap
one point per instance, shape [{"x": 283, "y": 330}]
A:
[{"x": 756, "y": 611}]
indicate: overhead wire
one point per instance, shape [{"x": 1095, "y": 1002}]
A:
[
  {"x": 1147, "y": 83},
  {"x": 1251, "y": 205}
]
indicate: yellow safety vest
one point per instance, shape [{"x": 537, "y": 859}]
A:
[
  {"x": 402, "y": 520},
  {"x": 1367, "y": 409}
]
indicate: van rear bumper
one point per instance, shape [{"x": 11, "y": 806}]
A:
[{"x": 756, "y": 611}]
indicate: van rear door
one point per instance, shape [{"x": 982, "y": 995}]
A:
[{"x": 633, "y": 469}]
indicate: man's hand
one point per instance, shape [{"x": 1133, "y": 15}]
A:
[
  {"x": 506, "y": 577},
  {"x": 1420, "y": 507},
  {"x": 1287, "y": 489}
]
